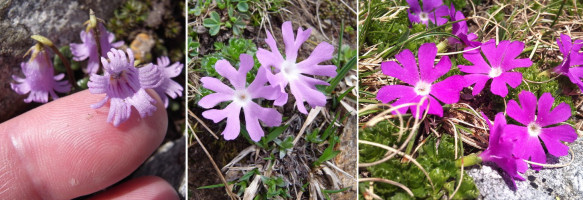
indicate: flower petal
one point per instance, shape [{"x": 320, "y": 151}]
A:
[
  {"x": 414, "y": 6},
  {"x": 254, "y": 113},
  {"x": 553, "y": 136},
  {"x": 408, "y": 73},
  {"x": 448, "y": 90},
  {"x": 231, "y": 112},
  {"x": 215, "y": 85},
  {"x": 479, "y": 80},
  {"x": 389, "y": 93},
  {"x": 426, "y": 55},
  {"x": 213, "y": 99},
  {"x": 524, "y": 115},
  {"x": 546, "y": 117},
  {"x": 292, "y": 45}
]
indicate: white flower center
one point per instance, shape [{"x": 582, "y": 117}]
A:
[
  {"x": 495, "y": 72},
  {"x": 423, "y": 16},
  {"x": 242, "y": 97},
  {"x": 289, "y": 70},
  {"x": 422, "y": 88},
  {"x": 533, "y": 129}
]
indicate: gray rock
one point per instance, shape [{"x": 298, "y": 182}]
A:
[
  {"x": 548, "y": 183},
  {"x": 60, "y": 21},
  {"x": 168, "y": 162}
]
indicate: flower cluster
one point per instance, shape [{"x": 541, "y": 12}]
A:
[
  {"x": 510, "y": 145},
  {"x": 276, "y": 69},
  {"x": 435, "y": 12},
  {"x": 572, "y": 60},
  {"x": 39, "y": 80},
  {"x": 124, "y": 84},
  {"x": 88, "y": 49}
]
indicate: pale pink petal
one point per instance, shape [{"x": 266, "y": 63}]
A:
[
  {"x": 254, "y": 113},
  {"x": 215, "y": 85},
  {"x": 231, "y": 112},
  {"x": 292, "y": 45},
  {"x": 213, "y": 99}
]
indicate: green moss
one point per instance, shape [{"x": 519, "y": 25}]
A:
[{"x": 435, "y": 157}]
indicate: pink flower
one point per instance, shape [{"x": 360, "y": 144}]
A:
[
  {"x": 168, "y": 86},
  {"x": 88, "y": 47},
  {"x": 124, "y": 85},
  {"x": 421, "y": 81},
  {"x": 241, "y": 97},
  {"x": 287, "y": 70},
  {"x": 572, "y": 60},
  {"x": 460, "y": 29},
  {"x": 433, "y": 10},
  {"x": 501, "y": 60},
  {"x": 538, "y": 125},
  {"x": 39, "y": 78},
  {"x": 499, "y": 150}
]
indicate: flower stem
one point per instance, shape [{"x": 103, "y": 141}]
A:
[
  {"x": 442, "y": 46},
  {"x": 67, "y": 66},
  {"x": 468, "y": 160}
]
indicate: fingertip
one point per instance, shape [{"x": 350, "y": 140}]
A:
[
  {"x": 70, "y": 150},
  {"x": 148, "y": 187}
]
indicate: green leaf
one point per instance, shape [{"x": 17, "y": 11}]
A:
[
  {"x": 213, "y": 23},
  {"x": 243, "y": 6},
  {"x": 341, "y": 74}
]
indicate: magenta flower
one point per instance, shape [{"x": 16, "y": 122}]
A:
[
  {"x": 287, "y": 70},
  {"x": 124, "y": 85},
  {"x": 240, "y": 97},
  {"x": 88, "y": 47},
  {"x": 460, "y": 29},
  {"x": 501, "y": 60},
  {"x": 538, "y": 125},
  {"x": 499, "y": 150},
  {"x": 421, "y": 80},
  {"x": 572, "y": 60},
  {"x": 168, "y": 86},
  {"x": 433, "y": 10},
  {"x": 39, "y": 78}
]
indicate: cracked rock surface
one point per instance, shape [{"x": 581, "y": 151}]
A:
[{"x": 548, "y": 183}]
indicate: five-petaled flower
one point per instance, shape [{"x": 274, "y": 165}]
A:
[
  {"x": 241, "y": 97},
  {"x": 168, "y": 86},
  {"x": 501, "y": 59},
  {"x": 460, "y": 29},
  {"x": 124, "y": 85},
  {"x": 39, "y": 79},
  {"x": 433, "y": 10},
  {"x": 88, "y": 47},
  {"x": 287, "y": 70},
  {"x": 538, "y": 125},
  {"x": 500, "y": 149},
  {"x": 572, "y": 59},
  {"x": 421, "y": 80}
]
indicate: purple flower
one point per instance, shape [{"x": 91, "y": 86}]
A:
[
  {"x": 88, "y": 49},
  {"x": 39, "y": 78},
  {"x": 501, "y": 60},
  {"x": 433, "y": 10},
  {"x": 537, "y": 125},
  {"x": 288, "y": 71},
  {"x": 571, "y": 60},
  {"x": 240, "y": 97},
  {"x": 421, "y": 80},
  {"x": 124, "y": 85},
  {"x": 168, "y": 86},
  {"x": 499, "y": 150},
  {"x": 460, "y": 29}
]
